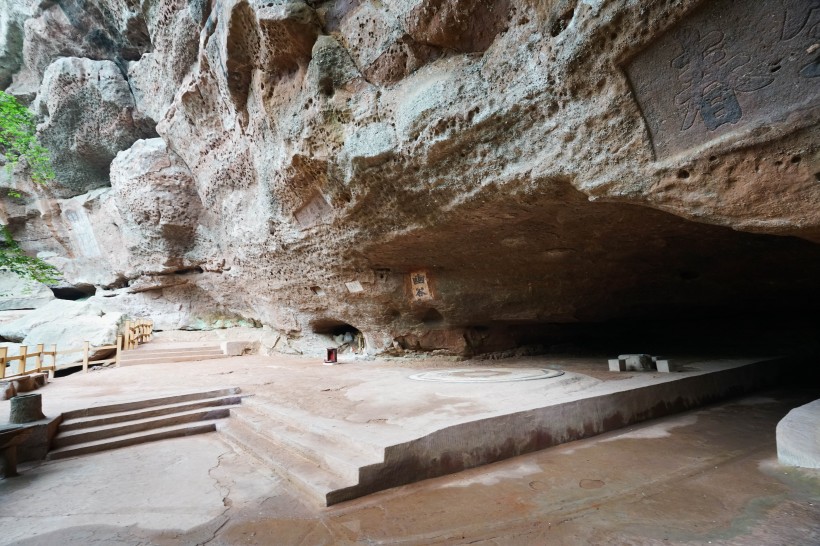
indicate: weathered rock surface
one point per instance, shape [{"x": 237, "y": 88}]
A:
[
  {"x": 156, "y": 194},
  {"x": 67, "y": 324},
  {"x": 535, "y": 165},
  {"x": 17, "y": 293},
  {"x": 88, "y": 116},
  {"x": 173, "y": 27},
  {"x": 12, "y": 19}
]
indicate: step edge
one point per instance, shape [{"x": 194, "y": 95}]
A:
[
  {"x": 371, "y": 450},
  {"x": 79, "y": 423},
  {"x": 119, "y": 429},
  {"x": 280, "y": 461},
  {"x": 144, "y": 437},
  {"x": 346, "y": 470},
  {"x": 151, "y": 402}
]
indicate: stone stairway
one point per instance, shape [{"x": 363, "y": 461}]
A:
[
  {"x": 323, "y": 463},
  {"x": 155, "y": 354},
  {"x": 119, "y": 425}
]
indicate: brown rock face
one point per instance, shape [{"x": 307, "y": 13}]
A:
[
  {"x": 457, "y": 175},
  {"x": 150, "y": 185},
  {"x": 467, "y": 26}
]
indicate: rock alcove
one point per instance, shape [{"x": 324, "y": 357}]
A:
[{"x": 547, "y": 172}]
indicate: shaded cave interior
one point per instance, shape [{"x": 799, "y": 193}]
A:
[
  {"x": 339, "y": 334},
  {"x": 563, "y": 274}
]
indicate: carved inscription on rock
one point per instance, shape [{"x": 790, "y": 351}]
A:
[
  {"x": 419, "y": 287},
  {"x": 315, "y": 211},
  {"x": 731, "y": 65},
  {"x": 82, "y": 232}
]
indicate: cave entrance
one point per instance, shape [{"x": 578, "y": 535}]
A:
[
  {"x": 74, "y": 292},
  {"x": 345, "y": 337}
]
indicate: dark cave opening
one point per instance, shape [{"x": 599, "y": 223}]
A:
[
  {"x": 73, "y": 292},
  {"x": 570, "y": 276},
  {"x": 342, "y": 334}
]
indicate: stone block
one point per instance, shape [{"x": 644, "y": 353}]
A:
[
  {"x": 798, "y": 437},
  {"x": 7, "y": 389},
  {"x": 24, "y": 383},
  {"x": 617, "y": 365},
  {"x": 19, "y": 293},
  {"x": 39, "y": 379},
  {"x": 237, "y": 348},
  {"x": 637, "y": 362},
  {"x": 665, "y": 366}
]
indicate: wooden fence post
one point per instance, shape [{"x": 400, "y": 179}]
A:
[
  {"x": 3, "y": 353},
  {"x": 53, "y": 369},
  {"x": 119, "y": 350},
  {"x": 85, "y": 356},
  {"x": 127, "y": 334},
  {"x": 21, "y": 368},
  {"x": 39, "y": 358}
]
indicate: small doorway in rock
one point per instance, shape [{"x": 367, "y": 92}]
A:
[{"x": 345, "y": 337}]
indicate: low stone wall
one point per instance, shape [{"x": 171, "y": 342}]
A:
[{"x": 485, "y": 441}]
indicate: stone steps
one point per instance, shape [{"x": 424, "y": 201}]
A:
[
  {"x": 171, "y": 354},
  {"x": 154, "y": 411},
  {"x": 118, "y": 425},
  {"x": 334, "y": 452},
  {"x": 317, "y": 460},
  {"x": 148, "y": 403},
  {"x": 164, "y": 433},
  {"x": 168, "y": 360},
  {"x": 307, "y": 476},
  {"x": 102, "y": 432}
]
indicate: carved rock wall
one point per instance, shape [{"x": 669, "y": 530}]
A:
[{"x": 531, "y": 164}]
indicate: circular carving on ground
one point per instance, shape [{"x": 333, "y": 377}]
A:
[{"x": 486, "y": 375}]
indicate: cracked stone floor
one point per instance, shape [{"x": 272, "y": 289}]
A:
[{"x": 708, "y": 476}]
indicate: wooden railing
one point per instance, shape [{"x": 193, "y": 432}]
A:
[
  {"x": 134, "y": 333},
  {"x": 137, "y": 332}
]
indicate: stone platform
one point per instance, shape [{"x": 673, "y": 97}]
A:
[{"x": 340, "y": 432}]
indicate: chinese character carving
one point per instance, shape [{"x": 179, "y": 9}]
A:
[
  {"x": 711, "y": 78},
  {"x": 728, "y": 70},
  {"x": 798, "y": 13},
  {"x": 799, "y": 16},
  {"x": 419, "y": 289}
]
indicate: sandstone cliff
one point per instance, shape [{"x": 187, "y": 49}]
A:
[{"x": 438, "y": 174}]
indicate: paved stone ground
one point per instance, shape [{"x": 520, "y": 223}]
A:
[{"x": 704, "y": 477}]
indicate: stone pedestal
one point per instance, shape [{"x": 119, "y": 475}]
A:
[{"x": 26, "y": 408}]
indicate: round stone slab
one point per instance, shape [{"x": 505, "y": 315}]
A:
[{"x": 486, "y": 375}]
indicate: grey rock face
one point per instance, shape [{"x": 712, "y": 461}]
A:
[
  {"x": 88, "y": 113},
  {"x": 67, "y": 324},
  {"x": 501, "y": 153},
  {"x": 155, "y": 77},
  {"x": 17, "y": 293},
  {"x": 156, "y": 195},
  {"x": 12, "y": 18}
]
